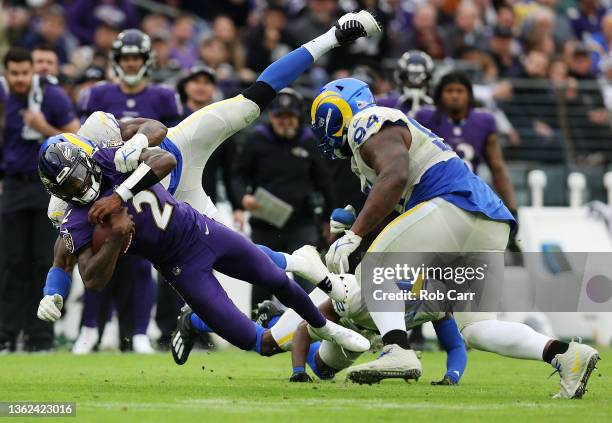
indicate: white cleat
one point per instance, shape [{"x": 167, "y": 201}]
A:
[
  {"x": 365, "y": 19},
  {"x": 87, "y": 340},
  {"x": 346, "y": 338},
  {"x": 575, "y": 367},
  {"x": 141, "y": 344},
  {"x": 307, "y": 264},
  {"x": 110, "y": 336},
  {"x": 393, "y": 362}
]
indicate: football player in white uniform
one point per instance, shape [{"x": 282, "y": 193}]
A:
[
  {"x": 194, "y": 139},
  {"x": 442, "y": 207}
]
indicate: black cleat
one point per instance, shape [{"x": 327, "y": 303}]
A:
[
  {"x": 183, "y": 337},
  {"x": 300, "y": 377},
  {"x": 446, "y": 381},
  {"x": 266, "y": 311}
]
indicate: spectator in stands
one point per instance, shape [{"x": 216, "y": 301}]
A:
[
  {"x": 586, "y": 19},
  {"x": 52, "y": 32},
  {"x": 268, "y": 41},
  {"x": 154, "y": 23},
  {"x": 46, "y": 62},
  {"x": 182, "y": 48},
  {"x": 37, "y": 110},
  {"x": 466, "y": 31},
  {"x": 84, "y": 16},
  {"x": 165, "y": 69},
  {"x": 581, "y": 65},
  {"x": 225, "y": 30},
  {"x": 503, "y": 52},
  {"x": 281, "y": 158},
  {"x": 425, "y": 34}
]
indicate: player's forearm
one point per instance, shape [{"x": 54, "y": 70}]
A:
[
  {"x": 381, "y": 201},
  {"x": 503, "y": 186},
  {"x": 155, "y": 165},
  {"x": 153, "y": 130},
  {"x": 300, "y": 346},
  {"x": 97, "y": 269}
]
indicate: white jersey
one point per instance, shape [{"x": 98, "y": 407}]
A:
[{"x": 426, "y": 149}]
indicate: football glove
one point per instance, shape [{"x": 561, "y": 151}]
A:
[
  {"x": 126, "y": 157},
  {"x": 337, "y": 256},
  {"x": 50, "y": 308},
  {"x": 342, "y": 219}
]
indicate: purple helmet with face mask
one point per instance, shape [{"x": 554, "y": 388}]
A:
[{"x": 67, "y": 171}]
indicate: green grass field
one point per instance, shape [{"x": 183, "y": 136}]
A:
[{"x": 236, "y": 386}]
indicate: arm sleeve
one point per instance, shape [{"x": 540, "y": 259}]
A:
[{"x": 456, "y": 354}]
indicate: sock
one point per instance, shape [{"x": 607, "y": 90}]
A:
[
  {"x": 322, "y": 44},
  {"x": 386, "y": 321},
  {"x": 398, "y": 337},
  {"x": 456, "y": 354},
  {"x": 260, "y": 331},
  {"x": 555, "y": 347},
  {"x": 273, "y": 321},
  {"x": 311, "y": 360},
  {"x": 299, "y": 369},
  {"x": 198, "y": 324}
]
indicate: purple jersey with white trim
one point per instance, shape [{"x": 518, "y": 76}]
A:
[
  {"x": 468, "y": 137},
  {"x": 166, "y": 230},
  {"x": 153, "y": 102}
]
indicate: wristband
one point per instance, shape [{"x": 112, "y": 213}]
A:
[
  {"x": 142, "y": 178},
  {"x": 58, "y": 282}
]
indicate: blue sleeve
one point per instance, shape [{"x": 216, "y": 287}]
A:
[
  {"x": 278, "y": 258},
  {"x": 58, "y": 282},
  {"x": 456, "y": 354},
  {"x": 287, "y": 69}
]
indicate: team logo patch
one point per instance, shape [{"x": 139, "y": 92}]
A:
[
  {"x": 113, "y": 143},
  {"x": 68, "y": 242}
]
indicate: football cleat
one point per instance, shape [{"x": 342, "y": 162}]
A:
[
  {"x": 300, "y": 377},
  {"x": 446, "y": 381},
  {"x": 393, "y": 362},
  {"x": 87, "y": 340},
  {"x": 183, "y": 337},
  {"x": 142, "y": 344},
  {"x": 575, "y": 367},
  {"x": 309, "y": 266},
  {"x": 352, "y": 26},
  {"x": 346, "y": 338}
]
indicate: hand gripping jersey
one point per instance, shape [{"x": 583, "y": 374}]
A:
[{"x": 434, "y": 170}]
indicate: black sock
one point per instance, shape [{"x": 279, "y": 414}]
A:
[
  {"x": 396, "y": 336},
  {"x": 555, "y": 347}
]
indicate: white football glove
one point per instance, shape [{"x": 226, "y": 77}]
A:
[
  {"x": 342, "y": 219},
  {"x": 126, "y": 157},
  {"x": 50, "y": 308},
  {"x": 339, "y": 252}
]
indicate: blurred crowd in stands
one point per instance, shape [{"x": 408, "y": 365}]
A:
[{"x": 542, "y": 68}]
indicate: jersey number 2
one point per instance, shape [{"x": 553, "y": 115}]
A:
[{"x": 161, "y": 216}]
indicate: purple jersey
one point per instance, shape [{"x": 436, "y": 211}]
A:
[
  {"x": 154, "y": 102},
  {"x": 468, "y": 137},
  {"x": 21, "y": 155},
  {"x": 166, "y": 229}
]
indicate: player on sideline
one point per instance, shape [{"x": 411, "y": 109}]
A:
[
  {"x": 443, "y": 206},
  {"x": 193, "y": 140}
]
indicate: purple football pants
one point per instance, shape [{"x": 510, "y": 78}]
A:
[{"x": 232, "y": 254}]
